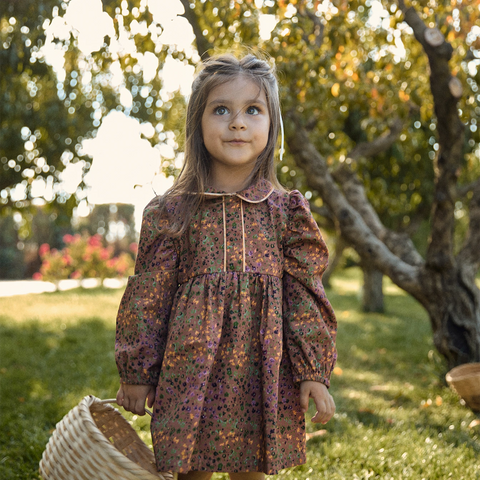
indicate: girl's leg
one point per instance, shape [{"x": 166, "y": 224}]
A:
[
  {"x": 247, "y": 476},
  {"x": 195, "y": 476}
]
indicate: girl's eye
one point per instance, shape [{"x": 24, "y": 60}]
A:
[
  {"x": 253, "y": 111},
  {"x": 221, "y": 111}
]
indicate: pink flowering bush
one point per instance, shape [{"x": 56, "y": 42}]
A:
[{"x": 83, "y": 257}]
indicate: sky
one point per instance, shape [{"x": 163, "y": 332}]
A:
[{"x": 125, "y": 167}]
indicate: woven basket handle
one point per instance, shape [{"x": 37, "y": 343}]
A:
[{"x": 114, "y": 400}]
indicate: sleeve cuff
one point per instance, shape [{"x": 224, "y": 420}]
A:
[
  {"x": 312, "y": 378},
  {"x": 135, "y": 379}
]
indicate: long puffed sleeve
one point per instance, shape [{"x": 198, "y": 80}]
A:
[
  {"x": 142, "y": 320},
  {"x": 310, "y": 326}
]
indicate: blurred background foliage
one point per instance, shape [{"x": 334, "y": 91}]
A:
[{"x": 349, "y": 69}]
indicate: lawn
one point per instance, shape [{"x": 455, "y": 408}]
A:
[{"x": 395, "y": 419}]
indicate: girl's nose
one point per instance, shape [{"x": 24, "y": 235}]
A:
[{"x": 237, "y": 123}]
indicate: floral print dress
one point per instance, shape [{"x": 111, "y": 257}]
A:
[{"x": 226, "y": 321}]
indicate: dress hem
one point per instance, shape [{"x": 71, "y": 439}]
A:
[{"x": 199, "y": 469}]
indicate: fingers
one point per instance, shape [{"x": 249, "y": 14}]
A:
[
  {"x": 151, "y": 398},
  {"x": 135, "y": 406},
  {"x": 325, "y": 409},
  {"x": 139, "y": 407},
  {"x": 132, "y": 397},
  {"x": 322, "y": 398},
  {"x": 120, "y": 396}
]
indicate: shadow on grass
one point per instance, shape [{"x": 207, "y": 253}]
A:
[
  {"x": 386, "y": 358},
  {"x": 398, "y": 341},
  {"x": 46, "y": 369}
]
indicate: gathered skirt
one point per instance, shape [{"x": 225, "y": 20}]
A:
[{"x": 226, "y": 400}]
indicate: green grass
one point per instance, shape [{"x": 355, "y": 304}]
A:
[{"x": 395, "y": 417}]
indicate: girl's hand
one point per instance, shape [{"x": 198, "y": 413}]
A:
[
  {"x": 322, "y": 398},
  {"x": 132, "y": 397}
]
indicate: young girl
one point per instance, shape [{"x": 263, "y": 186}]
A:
[{"x": 224, "y": 328}]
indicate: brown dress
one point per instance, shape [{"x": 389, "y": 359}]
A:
[{"x": 226, "y": 321}]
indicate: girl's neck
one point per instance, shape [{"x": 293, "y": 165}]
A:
[{"x": 230, "y": 180}]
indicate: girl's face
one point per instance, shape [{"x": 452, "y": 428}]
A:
[{"x": 235, "y": 126}]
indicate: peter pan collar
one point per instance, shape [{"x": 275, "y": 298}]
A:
[{"x": 257, "y": 192}]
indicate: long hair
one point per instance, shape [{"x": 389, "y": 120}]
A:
[{"x": 195, "y": 173}]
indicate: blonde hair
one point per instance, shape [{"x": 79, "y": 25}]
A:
[{"x": 194, "y": 176}]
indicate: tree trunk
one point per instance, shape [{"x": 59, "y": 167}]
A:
[
  {"x": 452, "y": 301},
  {"x": 340, "y": 246},
  {"x": 372, "y": 297}
]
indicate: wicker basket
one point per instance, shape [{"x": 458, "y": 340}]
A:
[
  {"x": 465, "y": 380},
  {"x": 93, "y": 442}
]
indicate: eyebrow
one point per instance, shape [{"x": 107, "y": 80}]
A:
[{"x": 248, "y": 102}]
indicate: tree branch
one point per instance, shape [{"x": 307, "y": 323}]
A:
[
  {"x": 340, "y": 246},
  {"x": 380, "y": 144},
  {"x": 469, "y": 187},
  {"x": 318, "y": 26},
  {"x": 431, "y": 39},
  {"x": 203, "y": 45},
  {"x": 353, "y": 227},
  {"x": 354, "y": 190},
  {"x": 398, "y": 243},
  {"x": 312, "y": 122},
  {"x": 446, "y": 90},
  {"x": 324, "y": 213}
]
